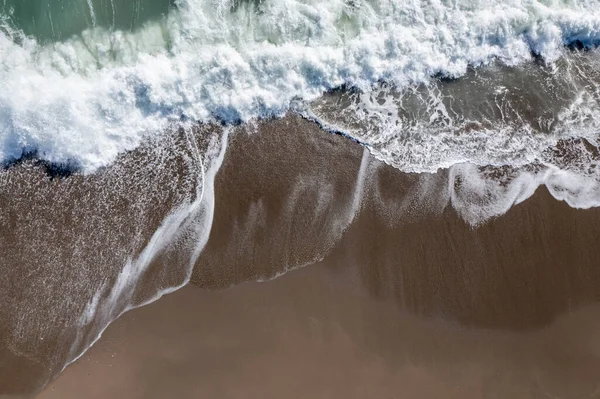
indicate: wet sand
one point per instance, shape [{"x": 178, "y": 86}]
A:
[
  {"x": 71, "y": 251},
  {"x": 394, "y": 296},
  {"x": 308, "y": 334}
]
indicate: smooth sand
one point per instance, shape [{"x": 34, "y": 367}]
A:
[{"x": 408, "y": 302}]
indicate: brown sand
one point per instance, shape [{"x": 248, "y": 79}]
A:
[
  {"x": 310, "y": 335},
  {"x": 411, "y": 303}
]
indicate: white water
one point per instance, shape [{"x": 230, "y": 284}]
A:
[{"x": 86, "y": 100}]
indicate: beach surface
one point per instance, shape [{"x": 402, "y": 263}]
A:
[{"x": 332, "y": 275}]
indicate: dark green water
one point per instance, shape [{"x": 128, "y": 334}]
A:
[{"x": 54, "y": 20}]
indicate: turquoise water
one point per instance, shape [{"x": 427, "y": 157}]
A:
[{"x": 53, "y": 20}]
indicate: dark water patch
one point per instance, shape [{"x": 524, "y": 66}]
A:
[
  {"x": 52, "y": 170},
  {"x": 582, "y": 45}
]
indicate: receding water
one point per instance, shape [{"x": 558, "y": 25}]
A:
[{"x": 53, "y": 20}]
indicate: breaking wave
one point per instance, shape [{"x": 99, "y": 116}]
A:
[{"x": 85, "y": 99}]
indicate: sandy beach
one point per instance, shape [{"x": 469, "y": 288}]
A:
[{"x": 370, "y": 286}]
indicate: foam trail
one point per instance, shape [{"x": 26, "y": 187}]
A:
[
  {"x": 359, "y": 191},
  {"x": 196, "y": 218},
  {"x": 92, "y": 13},
  {"x": 209, "y": 191}
]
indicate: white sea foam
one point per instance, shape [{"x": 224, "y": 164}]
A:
[{"x": 90, "y": 98}]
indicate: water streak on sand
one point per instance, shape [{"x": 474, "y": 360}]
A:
[{"x": 190, "y": 223}]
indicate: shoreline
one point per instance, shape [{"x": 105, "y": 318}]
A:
[{"x": 287, "y": 195}]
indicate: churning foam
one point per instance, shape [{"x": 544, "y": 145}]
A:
[{"x": 87, "y": 99}]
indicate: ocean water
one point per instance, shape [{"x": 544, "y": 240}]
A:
[
  {"x": 95, "y": 89},
  {"x": 49, "y": 21}
]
